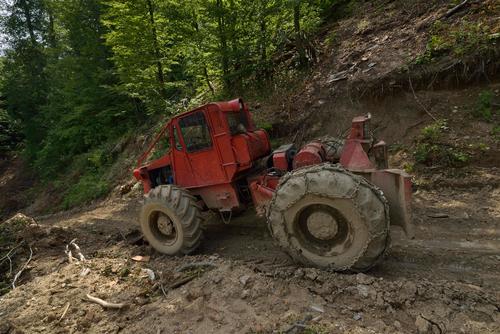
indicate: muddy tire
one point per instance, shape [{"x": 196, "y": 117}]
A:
[
  {"x": 171, "y": 221},
  {"x": 327, "y": 217}
]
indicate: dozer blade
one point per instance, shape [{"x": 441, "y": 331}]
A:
[{"x": 396, "y": 185}]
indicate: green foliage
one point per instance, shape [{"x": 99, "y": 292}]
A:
[
  {"x": 458, "y": 40},
  {"x": 483, "y": 109},
  {"x": 495, "y": 132},
  {"x": 430, "y": 150},
  {"x": 9, "y": 133},
  {"x": 88, "y": 187},
  {"x": 433, "y": 132}
]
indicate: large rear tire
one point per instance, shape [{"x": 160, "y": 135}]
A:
[
  {"x": 171, "y": 220},
  {"x": 325, "y": 216}
]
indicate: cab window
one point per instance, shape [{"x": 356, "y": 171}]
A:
[
  {"x": 195, "y": 132},
  {"x": 237, "y": 121}
]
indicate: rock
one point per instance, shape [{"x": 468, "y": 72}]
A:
[
  {"x": 364, "y": 279},
  {"x": 423, "y": 326},
  {"x": 362, "y": 290},
  {"x": 357, "y": 316},
  {"x": 397, "y": 324},
  {"x": 149, "y": 273},
  {"x": 217, "y": 279},
  {"x": 299, "y": 273},
  {"x": 244, "y": 279},
  {"x": 409, "y": 290},
  {"x": 311, "y": 273},
  {"x": 245, "y": 294},
  {"x": 137, "y": 187}
]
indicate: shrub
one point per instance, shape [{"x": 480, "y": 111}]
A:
[
  {"x": 90, "y": 186},
  {"x": 483, "y": 108}
]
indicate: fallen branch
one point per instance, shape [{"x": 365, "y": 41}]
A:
[
  {"x": 64, "y": 312},
  {"x": 67, "y": 251},
  {"x": 104, "y": 303},
  {"x": 454, "y": 9},
  {"x": 78, "y": 252},
  {"x": 181, "y": 282},
  {"x": 299, "y": 326},
  {"x": 195, "y": 265},
  {"x": 7, "y": 256},
  {"x": 22, "y": 269}
]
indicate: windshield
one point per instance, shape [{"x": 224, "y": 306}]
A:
[{"x": 195, "y": 132}]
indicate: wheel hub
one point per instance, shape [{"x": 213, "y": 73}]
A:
[
  {"x": 322, "y": 225},
  {"x": 165, "y": 225}
]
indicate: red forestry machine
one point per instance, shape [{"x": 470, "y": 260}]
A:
[{"x": 328, "y": 204}]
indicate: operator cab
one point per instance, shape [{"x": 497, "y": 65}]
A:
[{"x": 210, "y": 145}]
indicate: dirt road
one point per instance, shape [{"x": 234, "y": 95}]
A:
[{"x": 445, "y": 280}]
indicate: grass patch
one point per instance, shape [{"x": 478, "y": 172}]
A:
[
  {"x": 484, "y": 106},
  {"x": 458, "y": 40}
]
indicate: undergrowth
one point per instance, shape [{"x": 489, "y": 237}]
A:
[
  {"x": 11, "y": 233},
  {"x": 458, "y": 40},
  {"x": 432, "y": 150},
  {"x": 484, "y": 106}
]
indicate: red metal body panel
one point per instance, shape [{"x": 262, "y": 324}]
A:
[
  {"x": 311, "y": 154},
  {"x": 221, "y": 196},
  {"x": 262, "y": 188},
  {"x": 279, "y": 161}
]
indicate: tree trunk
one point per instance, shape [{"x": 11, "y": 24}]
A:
[
  {"x": 51, "y": 32},
  {"x": 29, "y": 23},
  {"x": 296, "y": 17},
  {"x": 156, "y": 50}
]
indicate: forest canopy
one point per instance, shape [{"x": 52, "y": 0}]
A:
[{"x": 77, "y": 75}]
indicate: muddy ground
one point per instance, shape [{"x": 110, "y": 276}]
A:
[{"x": 444, "y": 281}]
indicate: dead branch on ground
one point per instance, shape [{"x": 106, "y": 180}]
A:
[
  {"x": 64, "y": 312},
  {"x": 454, "y": 9},
  {"x": 22, "y": 269},
  {"x": 104, "y": 303},
  {"x": 78, "y": 252}
]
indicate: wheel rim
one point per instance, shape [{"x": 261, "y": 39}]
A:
[
  {"x": 322, "y": 229},
  {"x": 162, "y": 227}
]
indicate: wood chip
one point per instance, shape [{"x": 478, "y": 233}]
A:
[{"x": 140, "y": 258}]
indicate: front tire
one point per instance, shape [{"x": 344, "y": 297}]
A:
[
  {"x": 327, "y": 217},
  {"x": 171, "y": 220}
]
